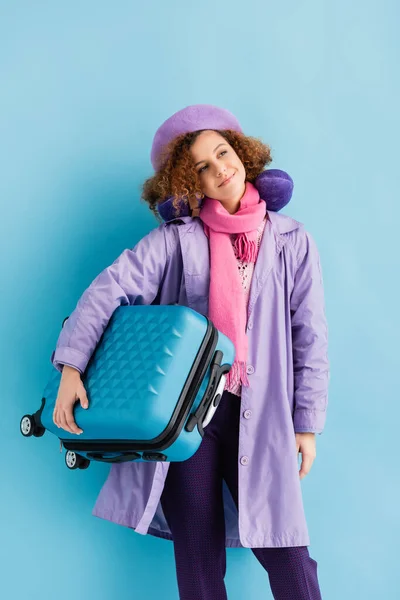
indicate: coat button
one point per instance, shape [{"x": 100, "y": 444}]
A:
[
  {"x": 244, "y": 460},
  {"x": 250, "y": 324},
  {"x": 247, "y": 414},
  {"x": 250, "y": 369}
]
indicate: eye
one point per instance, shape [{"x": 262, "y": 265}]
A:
[{"x": 205, "y": 166}]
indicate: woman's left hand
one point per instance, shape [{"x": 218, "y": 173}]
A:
[{"x": 306, "y": 445}]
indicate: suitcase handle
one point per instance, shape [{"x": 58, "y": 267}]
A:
[
  {"x": 113, "y": 459},
  {"x": 216, "y": 372}
]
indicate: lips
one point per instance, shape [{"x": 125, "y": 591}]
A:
[{"x": 226, "y": 180}]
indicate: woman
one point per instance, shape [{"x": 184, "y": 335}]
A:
[{"x": 242, "y": 486}]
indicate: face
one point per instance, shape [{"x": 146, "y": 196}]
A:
[{"x": 220, "y": 170}]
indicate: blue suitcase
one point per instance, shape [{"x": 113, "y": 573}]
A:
[{"x": 153, "y": 382}]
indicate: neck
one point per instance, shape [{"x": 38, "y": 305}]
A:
[{"x": 233, "y": 205}]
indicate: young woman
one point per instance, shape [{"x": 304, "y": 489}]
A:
[{"x": 257, "y": 275}]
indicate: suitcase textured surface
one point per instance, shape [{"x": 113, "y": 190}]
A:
[{"x": 153, "y": 368}]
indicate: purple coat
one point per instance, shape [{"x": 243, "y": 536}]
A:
[{"x": 287, "y": 366}]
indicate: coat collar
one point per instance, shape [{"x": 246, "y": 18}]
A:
[{"x": 282, "y": 223}]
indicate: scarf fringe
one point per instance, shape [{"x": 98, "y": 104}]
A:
[
  {"x": 245, "y": 248},
  {"x": 237, "y": 373}
]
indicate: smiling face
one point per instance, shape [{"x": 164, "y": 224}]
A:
[{"x": 220, "y": 170}]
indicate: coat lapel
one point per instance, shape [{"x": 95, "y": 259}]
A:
[
  {"x": 270, "y": 247},
  {"x": 196, "y": 264},
  {"x": 272, "y": 242}
]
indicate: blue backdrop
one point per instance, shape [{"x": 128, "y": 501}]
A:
[{"x": 83, "y": 88}]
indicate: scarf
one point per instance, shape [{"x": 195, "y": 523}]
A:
[{"x": 227, "y": 306}]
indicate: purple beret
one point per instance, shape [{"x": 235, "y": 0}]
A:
[{"x": 191, "y": 118}]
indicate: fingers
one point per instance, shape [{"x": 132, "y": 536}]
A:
[
  {"x": 305, "y": 445},
  {"x": 306, "y": 464},
  {"x": 68, "y": 422},
  {"x": 63, "y": 417},
  {"x": 83, "y": 397}
]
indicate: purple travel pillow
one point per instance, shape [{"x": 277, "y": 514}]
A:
[{"x": 274, "y": 186}]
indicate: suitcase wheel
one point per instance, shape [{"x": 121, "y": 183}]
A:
[
  {"x": 28, "y": 427},
  {"x": 76, "y": 461}
]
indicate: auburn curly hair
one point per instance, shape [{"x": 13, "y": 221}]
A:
[{"x": 179, "y": 178}]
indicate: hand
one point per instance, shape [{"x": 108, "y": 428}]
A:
[
  {"x": 70, "y": 390},
  {"x": 306, "y": 444}
]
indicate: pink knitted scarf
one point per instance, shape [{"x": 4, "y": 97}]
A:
[{"x": 227, "y": 306}]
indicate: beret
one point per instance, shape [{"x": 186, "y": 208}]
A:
[{"x": 192, "y": 118}]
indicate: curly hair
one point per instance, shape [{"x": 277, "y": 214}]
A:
[{"x": 178, "y": 177}]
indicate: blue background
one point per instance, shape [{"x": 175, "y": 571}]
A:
[{"x": 84, "y": 86}]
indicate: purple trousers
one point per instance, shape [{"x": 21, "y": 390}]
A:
[{"x": 192, "y": 502}]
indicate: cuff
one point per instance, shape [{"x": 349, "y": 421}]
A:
[
  {"x": 69, "y": 356},
  {"x": 305, "y": 420}
]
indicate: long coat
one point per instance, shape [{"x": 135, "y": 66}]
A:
[{"x": 287, "y": 369}]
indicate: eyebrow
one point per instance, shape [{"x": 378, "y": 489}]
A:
[{"x": 215, "y": 149}]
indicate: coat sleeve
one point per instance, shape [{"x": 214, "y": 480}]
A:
[
  {"x": 133, "y": 278},
  {"x": 309, "y": 340}
]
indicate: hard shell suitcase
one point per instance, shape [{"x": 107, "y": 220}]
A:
[{"x": 153, "y": 382}]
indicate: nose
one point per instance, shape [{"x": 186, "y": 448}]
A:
[{"x": 221, "y": 169}]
